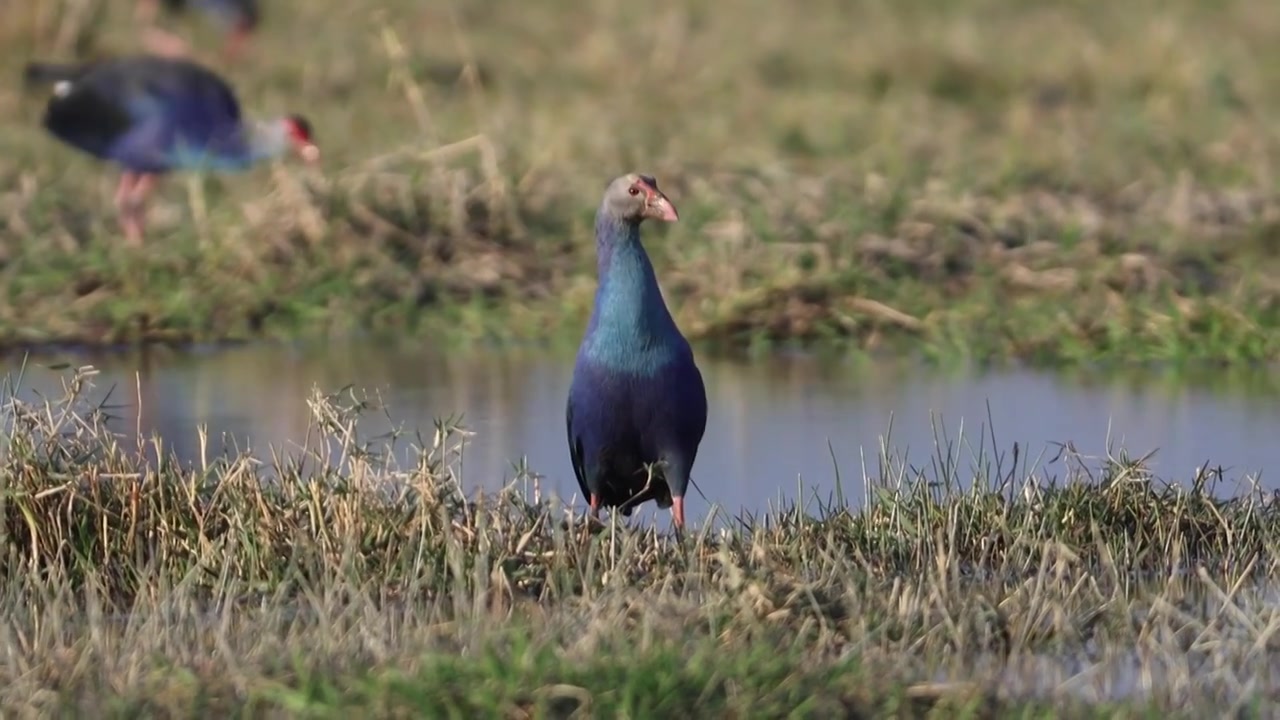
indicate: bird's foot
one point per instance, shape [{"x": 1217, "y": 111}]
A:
[
  {"x": 591, "y": 525},
  {"x": 131, "y": 225}
]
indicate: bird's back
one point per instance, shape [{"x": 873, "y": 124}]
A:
[{"x": 141, "y": 110}]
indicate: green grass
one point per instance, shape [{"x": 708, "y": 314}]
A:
[
  {"x": 334, "y": 580},
  {"x": 1056, "y": 182}
]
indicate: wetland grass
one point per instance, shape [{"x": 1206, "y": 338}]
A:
[
  {"x": 334, "y": 579},
  {"x": 864, "y": 175}
]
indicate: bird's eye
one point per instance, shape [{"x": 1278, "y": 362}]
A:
[{"x": 633, "y": 190}]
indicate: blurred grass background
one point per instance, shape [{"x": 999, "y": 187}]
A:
[{"x": 853, "y": 173}]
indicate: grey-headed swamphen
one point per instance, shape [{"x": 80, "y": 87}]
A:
[
  {"x": 637, "y": 397},
  {"x": 152, "y": 115},
  {"x": 239, "y": 17}
]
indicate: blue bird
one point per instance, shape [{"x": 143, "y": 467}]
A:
[
  {"x": 637, "y": 397},
  {"x": 239, "y": 17},
  {"x": 152, "y": 115}
]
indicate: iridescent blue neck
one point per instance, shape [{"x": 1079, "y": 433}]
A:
[
  {"x": 247, "y": 144},
  {"x": 630, "y": 321}
]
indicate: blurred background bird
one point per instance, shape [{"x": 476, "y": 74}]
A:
[{"x": 152, "y": 115}]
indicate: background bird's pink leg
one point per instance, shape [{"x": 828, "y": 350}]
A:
[
  {"x": 127, "y": 179},
  {"x": 131, "y": 197},
  {"x": 677, "y": 511}
]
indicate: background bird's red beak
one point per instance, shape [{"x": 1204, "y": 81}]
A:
[{"x": 310, "y": 153}]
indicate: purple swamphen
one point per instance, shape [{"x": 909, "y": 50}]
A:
[
  {"x": 637, "y": 399},
  {"x": 239, "y": 17},
  {"x": 152, "y": 115}
]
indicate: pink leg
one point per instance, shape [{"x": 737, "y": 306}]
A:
[
  {"x": 127, "y": 180},
  {"x": 595, "y": 515},
  {"x": 131, "y": 199},
  {"x": 677, "y": 512}
]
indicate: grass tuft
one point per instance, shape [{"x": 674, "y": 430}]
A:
[{"x": 334, "y": 578}]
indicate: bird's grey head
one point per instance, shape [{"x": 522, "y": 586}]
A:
[{"x": 634, "y": 197}]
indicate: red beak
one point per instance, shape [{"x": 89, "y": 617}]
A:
[{"x": 660, "y": 208}]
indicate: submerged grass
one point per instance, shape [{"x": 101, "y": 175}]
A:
[
  {"x": 874, "y": 173},
  {"x": 334, "y": 579}
]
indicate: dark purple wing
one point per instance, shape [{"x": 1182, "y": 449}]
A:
[{"x": 138, "y": 110}]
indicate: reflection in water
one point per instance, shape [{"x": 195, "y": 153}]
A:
[{"x": 769, "y": 427}]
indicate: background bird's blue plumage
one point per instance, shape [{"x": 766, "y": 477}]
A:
[
  {"x": 152, "y": 115},
  {"x": 155, "y": 114}
]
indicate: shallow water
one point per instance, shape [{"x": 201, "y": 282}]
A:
[{"x": 770, "y": 425}]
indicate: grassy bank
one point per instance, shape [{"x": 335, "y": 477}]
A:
[
  {"x": 986, "y": 178},
  {"x": 345, "y": 583}
]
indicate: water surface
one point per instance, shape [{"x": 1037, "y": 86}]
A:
[{"x": 778, "y": 428}]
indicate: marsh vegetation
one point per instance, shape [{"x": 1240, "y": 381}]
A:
[
  {"x": 296, "y": 584},
  {"x": 1062, "y": 182}
]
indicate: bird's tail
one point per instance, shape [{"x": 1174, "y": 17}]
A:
[{"x": 48, "y": 73}]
